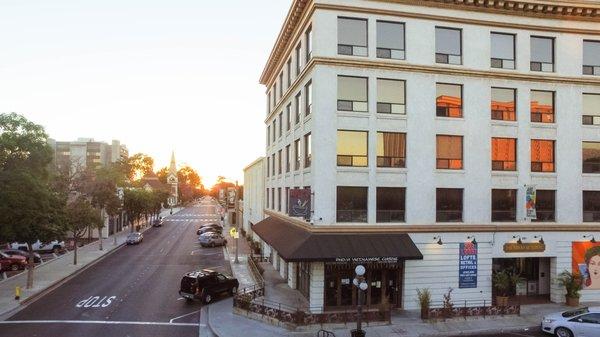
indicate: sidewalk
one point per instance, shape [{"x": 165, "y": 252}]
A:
[
  {"x": 57, "y": 271},
  {"x": 224, "y": 323}
]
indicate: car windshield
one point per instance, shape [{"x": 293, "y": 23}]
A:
[
  {"x": 575, "y": 312},
  {"x": 134, "y": 235}
]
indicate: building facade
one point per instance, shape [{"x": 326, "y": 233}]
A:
[
  {"x": 254, "y": 186},
  {"x": 85, "y": 152},
  {"x": 426, "y": 134}
]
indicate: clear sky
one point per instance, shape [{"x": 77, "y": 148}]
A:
[{"x": 156, "y": 75}]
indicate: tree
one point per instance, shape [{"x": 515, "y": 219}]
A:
[
  {"x": 139, "y": 165},
  {"x": 80, "y": 215},
  {"x": 134, "y": 204},
  {"x": 162, "y": 174},
  {"x": 29, "y": 209},
  {"x": 103, "y": 192}
]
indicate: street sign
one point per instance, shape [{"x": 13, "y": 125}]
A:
[{"x": 233, "y": 232}]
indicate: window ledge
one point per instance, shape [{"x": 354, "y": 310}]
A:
[
  {"x": 306, "y": 170},
  {"x": 460, "y": 119},
  {"x": 308, "y": 118},
  {"x": 543, "y": 125},
  {"x": 297, "y": 126},
  {"x": 445, "y": 171},
  {"x": 365, "y": 114},
  {"x": 391, "y": 116},
  {"x": 496, "y": 122},
  {"x": 403, "y": 170},
  {"x": 288, "y": 174},
  {"x": 591, "y": 175},
  {"x": 544, "y": 174},
  {"x": 297, "y": 173},
  {"x": 505, "y": 173},
  {"x": 364, "y": 169},
  {"x": 591, "y": 127}
]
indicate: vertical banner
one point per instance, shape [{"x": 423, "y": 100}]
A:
[
  {"x": 299, "y": 203},
  {"x": 467, "y": 265},
  {"x": 530, "y": 200}
]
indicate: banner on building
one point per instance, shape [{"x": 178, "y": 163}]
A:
[
  {"x": 222, "y": 195},
  {"x": 586, "y": 262},
  {"x": 530, "y": 200},
  {"x": 299, "y": 203},
  {"x": 467, "y": 265},
  {"x": 230, "y": 197}
]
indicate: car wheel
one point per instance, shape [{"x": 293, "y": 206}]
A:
[
  {"x": 563, "y": 332},
  {"x": 212, "y": 245},
  {"x": 207, "y": 298},
  {"x": 14, "y": 267},
  {"x": 188, "y": 300},
  {"x": 56, "y": 250},
  {"x": 233, "y": 291}
]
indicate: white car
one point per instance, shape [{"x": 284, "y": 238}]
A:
[
  {"x": 582, "y": 322},
  {"x": 38, "y": 246}
]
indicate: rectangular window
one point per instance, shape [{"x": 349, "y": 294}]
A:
[
  {"x": 279, "y": 199},
  {"x": 268, "y": 166},
  {"x": 274, "y": 129},
  {"x": 268, "y": 102},
  {"x": 352, "y": 94},
  {"x": 591, "y": 206},
  {"x": 391, "y": 203},
  {"x": 268, "y": 135},
  {"x": 352, "y": 37},
  {"x": 351, "y": 204},
  {"x": 308, "y": 36},
  {"x": 308, "y": 98},
  {"x": 273, "y": 198},
  {"x": 275, "y": 94},
  {"x": 267, "y": 197},
  {"x": 307, "y": 151},
  {"x": 288, "y": 159},
  {"x": 391, "y": 149},
  {"x": 449, "y": 205},
  {"x": 288, "y": 116},
  {"x": 448, "y": 101},
  {"x": 542, "y": 155},
  {"x": 273, "y": 165},
  {"x": 391, "y": 96},
  {"x": 504, "y": 205},
  {"x": 545, "y": 206},
  {"x": 297, "y": 100},
  {"x": 281, "y": 84},
  {"x": 591, "y": 109},
  {"x": 390, "y": 40},
  {"x": 280, "y": 124},
  {"x": 448, "y": 45},
  {"x": 591, "y": 157},
  {"x": 298, "y": 59},
  {"x": 591, "y": 57},
  {"x": 502, "y": 50},
  {"x": 288, "y": 68},
  {"x": 542, "y": 106},
  {"x": 286, "y": 197},
  {"x": 279, "y": 162},
  {"x": 504, "y": 154},
  {"x": 503, "y": 104},
  {"x": 352, "y": 147},
  {"x": 297, "y": 154},
  {"x": 542, "y": 54},
  {"x": 449, "y": 152}
]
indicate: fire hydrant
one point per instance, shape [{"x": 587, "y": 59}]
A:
[{"x": 17, "y": 293}]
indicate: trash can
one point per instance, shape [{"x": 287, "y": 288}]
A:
[{"x": 357, "y": 333}]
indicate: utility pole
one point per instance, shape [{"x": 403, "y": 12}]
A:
[{"x": 237, "y": 221}]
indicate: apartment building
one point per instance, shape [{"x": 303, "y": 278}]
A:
[
  {"x": 436, "y": 142},
  {"x": 86, "y": 152}
]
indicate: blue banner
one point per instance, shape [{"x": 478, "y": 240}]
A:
[{"x": 467, "y": 265}]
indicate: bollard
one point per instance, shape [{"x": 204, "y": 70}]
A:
[{"x": 17, "y": 293}]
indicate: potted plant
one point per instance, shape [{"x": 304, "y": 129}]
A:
[
  {"x": 448, "y": 305},
  {"x": 502, "y": 283},
  {"x": 424, "y": 296},
  {"x": 572, "y": 283}
]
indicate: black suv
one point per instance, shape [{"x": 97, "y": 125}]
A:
[{"x": 205, "y": 284}]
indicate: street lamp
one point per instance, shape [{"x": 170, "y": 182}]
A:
[{"x": 359, "y": 282}]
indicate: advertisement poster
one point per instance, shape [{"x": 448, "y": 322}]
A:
[
  {"x": 467, "y": 265},
  {"x": 299, "y": 200},
  {"x": 530, "y": 199},
  {"x": 586, "y": 261}
]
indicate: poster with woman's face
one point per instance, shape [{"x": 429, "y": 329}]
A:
[{"x": 586, "y": 261}]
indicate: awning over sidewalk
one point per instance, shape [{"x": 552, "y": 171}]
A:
[{"x": 295, "y": 243}]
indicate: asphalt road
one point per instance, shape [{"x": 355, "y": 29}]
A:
[
  {"x": 531, "y": 332},
  {"x": 132, "y": 292}
]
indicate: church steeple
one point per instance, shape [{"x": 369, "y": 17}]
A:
[
  {"x": 173, "y": 166},
  {"x": 173, "y": 181}
]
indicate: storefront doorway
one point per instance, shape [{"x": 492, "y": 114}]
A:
[
  {"x": 384, "y": 280},
  {"x": 534, "y": 286}
]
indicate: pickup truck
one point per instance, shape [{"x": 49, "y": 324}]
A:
[{"x": 54, "y": 246}]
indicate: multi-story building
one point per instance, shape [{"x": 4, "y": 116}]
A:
[
  {"x": 254, "y": 187},
  {"x": 85, "y": 152},
  {"x": 428, "y": 133}
]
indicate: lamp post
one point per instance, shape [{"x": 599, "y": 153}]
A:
[{"x": 359, "y": 282}]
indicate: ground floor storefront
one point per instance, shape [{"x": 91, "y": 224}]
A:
[{"x": 464, "y": 265}]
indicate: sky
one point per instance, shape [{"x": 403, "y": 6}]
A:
[{"x": 159, "y": 76}]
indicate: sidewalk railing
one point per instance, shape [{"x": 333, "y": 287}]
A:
[
  {"x": 470, "y": 308},
  {"x": 256, "y": 269}
]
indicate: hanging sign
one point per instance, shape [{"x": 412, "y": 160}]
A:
[
  {"x": 467, "y": 265},
  {"x": 299, "y": 200},
  {"x": 530, "y": 200}
]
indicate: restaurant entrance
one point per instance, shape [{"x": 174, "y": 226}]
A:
[
  {"x": 384, "y": 280},
  {"x": 534, "y": 273}
]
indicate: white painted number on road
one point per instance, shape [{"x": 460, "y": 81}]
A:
[{"x": 96, "y": 302}]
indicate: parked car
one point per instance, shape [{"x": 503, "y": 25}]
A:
[
  {"x": 212, "y": 239},
  {"x": 582, "y": 322},
  {"x": 54, "y": 246},
  {"x": 12, "y": 262},
  {"x": 157, "y": 223},
  {"x": 206, "y": 284},
  {"x": 134, "y": 238},
  {"x": 203, "y": 230},
  {"x": 36, "y": 257}
]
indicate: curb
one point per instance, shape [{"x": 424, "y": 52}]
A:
[{"x": 478, "y": 332}]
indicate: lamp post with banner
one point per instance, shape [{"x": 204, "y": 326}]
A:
[{"x": 359, "y": 282}]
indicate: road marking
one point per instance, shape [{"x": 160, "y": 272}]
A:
[
  {"x": 96, "y": 302},
  {"x": 99, "y": 322},
  {"x": 182, "y": 316}
]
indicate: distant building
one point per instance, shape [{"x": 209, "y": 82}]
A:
[
  {"x": 85, "y": 152},
  {"x": 150, "y": 182},
  {"x": 254, "y": 195}
]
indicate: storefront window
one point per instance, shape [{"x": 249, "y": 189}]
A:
[{"x": 303, "y": 278}]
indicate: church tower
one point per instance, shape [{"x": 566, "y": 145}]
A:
[{"x": 173, "y": 181}]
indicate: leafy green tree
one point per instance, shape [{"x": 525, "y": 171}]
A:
[
  {"x": 134, "y": 204},
  {"x": 80, "y": 216},
  {"x": 103, "y": 191},
  {"x": 162, "y": 174}
]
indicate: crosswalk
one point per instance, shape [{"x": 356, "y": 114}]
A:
[{"x": 192, "y": 220}]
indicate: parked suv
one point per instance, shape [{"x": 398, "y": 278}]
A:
[
  {"x": 12, "y": 262},
  {"x": 211, "y": 239},
  {"x": 206, "y": 284},
  {"x": 54, "y": 246}
]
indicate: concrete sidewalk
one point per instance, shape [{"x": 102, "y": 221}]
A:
[{"x": 50, "y": 274}]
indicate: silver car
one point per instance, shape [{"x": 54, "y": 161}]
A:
[
  {"x": 134, "y": 238},
  {"x": 582, "y": 322},
  {"x": 212, "y": 239}
]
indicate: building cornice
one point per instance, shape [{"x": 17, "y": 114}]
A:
[
  {"x": 438, "y": 228},
  {"x": 562, "y": 10},
  {"x": 256, "y": 161}
]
